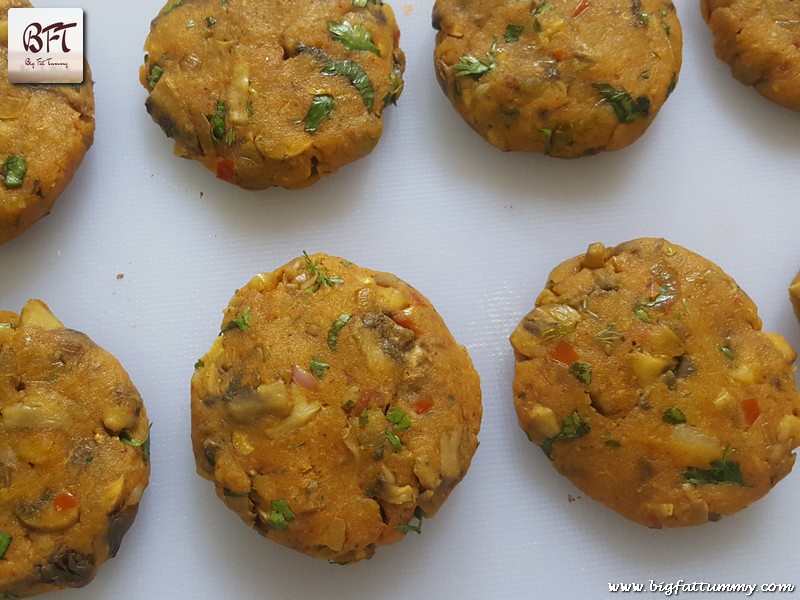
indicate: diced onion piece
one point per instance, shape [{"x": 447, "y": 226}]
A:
[{"x": 304, "y": 379}]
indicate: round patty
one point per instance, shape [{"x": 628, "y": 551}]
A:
[
  {"x": 271, "y": 93},
  {"x": 74, "y": 454},
  {"x": 644, "y": 376},
  {"x": 759, "y": 39},
  {"x": 335, "y": 410},
  {"x": 45, "y": 131},
  {"x": 563, "y": 77},
  {"x": 794, "y": 295}
]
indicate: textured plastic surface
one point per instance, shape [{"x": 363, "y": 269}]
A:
[{"x": 144, "y": 250}]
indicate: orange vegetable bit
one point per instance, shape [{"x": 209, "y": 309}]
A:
[
  {"x": 751, "y": 410},
  {"x": 65, "y": 501},
  {"x": 583, "y": 5},
  {"x": 564, "y": 353},
  {"x": 422, "y": 405},
  {"x": 226, "y": 170}
]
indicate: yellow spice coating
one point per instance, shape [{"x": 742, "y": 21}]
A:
[
  {"x": 760, "y": 40},
  {"x": 257, "y": 67},
  {"x": 333, "y": 408},
  {"x": 74, "y": 454},
  {"x": 563, "y": 77},
  {"x": 644, "y": 375},
  {"x": 51, "y": 126}
]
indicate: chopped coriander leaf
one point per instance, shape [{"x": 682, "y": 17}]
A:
[
  {"x": 336, "y": 329},
  {"x": 608, "y": 334},
  {"x": 537, "y": 26},
  {"x": 418, "y": 515},
  {"x": 644, "y": 19},
  {"x": 242, "y": 322},
  {"x": 14, "y": 170},
  {"x": 363, "y": 418},
  {"x": 353, "y": 37},
  {"x": 666, "y": 27},
  {"x": 154, "y": 75},
  {"x": 126, "y": 438},
  {"x": 613, "y": 443},
  {"x": 394, "y": 440},
  {"x": 582, "y": 371},
  {"x": 468, "y": 65},
  {"x": 5, "y": 542},
  {"x": 624, "y": 107},
  {"x": 199, "y": 364},
  {"x": 512, "y": 33},
  {"x": 174, "y": 4},
  {"x": 721, "y": 471},
  {"x": 661, "y": 298},
  {"x": 548, "y": 139},
  {"x": 217, "y": 121},
  {"x": 281, "y": 515},
  {"x": 210, "y": 21},
  {"x": 398, "y": 418},
  {"x": 251, "y": 111},
  {"x": 348, "y": 406},
  {"x": 320, "y": 109},
  {"x": 571, "y": 428},
  {"x": 357, "y": 76},
  {"x": 641, "y": 314},
  {"x": 320, "y": 274},
  {"x": 223, "y": 2},
  {"x": 231, "y": 494},
  {"x": 543, "y": 7},
  {"x": 393, "y": 94},
  {"x": 672, "y": 83},
  {"x": 727, "y": 352},
  {"x": 673, "y": 416},
  {"x": 645, "y": 74},
  {"x": 230, "y": 136},
  {"x": 318, "y": 368}
]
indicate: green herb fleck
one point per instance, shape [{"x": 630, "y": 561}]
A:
[
  {"x": 335, "y": 330},
  {"x": 5, "y": 542},
  {"x": 543, "y": 7},
  {"x": 473, "y": 67},
  {"x": 727, "y": 352},
  {"x": 666, "y": 27},
  {"x": 645, "y": 74},
  {"x": 175, "y": 4},
  {"x": 548, "y": 139},
  {"x": 199, "y": 364},
  {"x": 348, "y": 406},
  {"x": 664, "y": 295},
  {"x": 512, "y": 33},
  {"x": 223, "y": 2},
  {"x": 672, "y": 83},
  {"x": 644, "y": 19},
  {"x": 360, "y": 3},
  {"x": 251, "y": 112},
  {"x": 398, "y": 418},
  {"x": 320, "y": 274},
  {"x": 721, "y": 471},
  {"x": 230, "y": 136},
  {"x": 232, "y": 494},
  {"x": 537, "y": 26},
  {"x": 397, "y": 88},
  {"x": 582, "y": 371},
  {"x": 608, "y": 334},
  {"x": 154, "y": 75},
  {"x": 321, "y": 108},
  {"x": 394, "y": 440},
  {"x": 242, "y": 323},
  {"x": 624, "y": 107},
  {"x": 210, "y": 22},
  {"x": 126, "y": 438},
  {"x": 641, "y": 314},
  {"x": 418, "y": 515},
  {"x": 571, "y": 428},
  {"x": 673, "y": 416},
  {"x": 318, "y": 368},
  {"x": 363, "y": 418},
  {"x": 14, "y": 169},
  {"x": 357, "y": 76},
  {"x": 217, "y": 121},
  {"x": 281, "y": 515},
  {"x": 613, "y": 443},
  {"x": 353, "y": 38}
]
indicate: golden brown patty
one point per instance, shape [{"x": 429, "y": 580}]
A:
[
  {"x": 645, "y": 377},
  {"x": 335, "y": 410},
  {"x": 45, "y": 131},
  {"x": 563, "y": 77},
  {"x": 794, "y": 295},
  {"x": 759, "y": 39},
  {"x": 74, "y": 454},
  {"x": 272, "y": 93}
]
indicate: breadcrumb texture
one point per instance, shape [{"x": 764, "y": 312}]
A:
[
  {"x": 335, "y": 409},
  {"x": 51, "y": 126},
  {"x": 546, "y": 58},
  {"x": 644, "y": 374}
]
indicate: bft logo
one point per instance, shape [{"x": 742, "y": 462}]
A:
[
  {"x": 32, "y": 38},
  {"x": 45, "y": 45}
]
